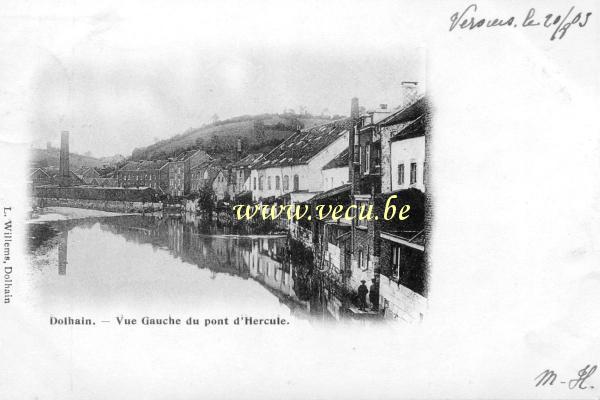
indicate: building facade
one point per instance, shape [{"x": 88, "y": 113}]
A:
[
  {"x": 335, "y": 173},
  {"x": 402, "y": 245},
  {"x": 240, "y": 174},
  {"x": 296, "y": 164},
  {"x": 152, "y": 174},
  {"x": 189, "y": 159},
  {"x": 385, "y": 164},
  {"x": 176, "y": 178},
  {"x": 220, "y": 185}
]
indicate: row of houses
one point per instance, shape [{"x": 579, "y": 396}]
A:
[
  {"x": 189, "y": 173},
  {"x": 49, "y": 176},
  {"x": 364, "y": 160}
]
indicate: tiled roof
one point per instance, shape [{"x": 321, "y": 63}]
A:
[
  {"x": 407, "y": 113},
  {"x": 143, "y": 165},
  {"x": 130, "y": 166},
  {"x": 410, "y": 129},
  {"x": 339, "y": 162},
  {"x": 34, "y": 170},
  {"x": 247, "y": 161},
  {"x": 187, "y": 154},
  {"x": 332, "y": 192},
  {"x": 212, "y": 167},
  {"x": 304, "y": 145},
  {"x": 202, "y": 166},
  {"x": 54, "y": 171}
]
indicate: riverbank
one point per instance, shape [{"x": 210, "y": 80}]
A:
[{"x": 50, "y": 214}]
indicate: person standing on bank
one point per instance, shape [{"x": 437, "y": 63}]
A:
[
  {"x": 374, "y": 295},
  {"x": 362, "y": 296}
]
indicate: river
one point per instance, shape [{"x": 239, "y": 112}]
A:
[{"x": 162, "y": 265}]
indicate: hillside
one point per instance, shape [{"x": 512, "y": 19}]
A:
[
  {"x": 50, "y": 158},
  {"x": 260, "y": 133}
]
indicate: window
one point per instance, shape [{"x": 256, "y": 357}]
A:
[
  {"x": 367, "y": 158},
  {"x": 261, "y": 183},
  {"x": 395, "y": 262},
  {"x": 286, "y": 182},
  {"x": 269, "y": 183},
  {"x": 361, "y": 205},
  {"x": 277, "y": 182},
  {"x": 360, "y": 259},
  {"x": 254, "y": 183},
  {"x": 360, "y": 158},
  {"x": 296, "y": 183},
  {"x": 401, "y": 174},
  {"x": 413, "y": 173}
]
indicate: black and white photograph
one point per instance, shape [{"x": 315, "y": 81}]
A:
[
  {"x": 300, "y": 200},
  {"x": 177, "y": 199}
]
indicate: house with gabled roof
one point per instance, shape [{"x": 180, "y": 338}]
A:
[
  {"x": 39, "y": 177},
  {"x": 403, "y": 147},
  {"x": 50, "y": 176},
  {"x": 220, "y": 185},
  {"x": 184, "y": 163},
  {"x": 239, "y": 180},
  {"x": 295, "y": 165},
  {"x": 87, "y": 172},
  {"x": 335, "y": 173},
  {"x": 203, "y": 175}
]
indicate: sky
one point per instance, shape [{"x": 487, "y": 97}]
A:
[{"x": 119, "y": 79}]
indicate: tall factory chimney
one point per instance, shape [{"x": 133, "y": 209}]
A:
[{"x": 64, "y": 174}]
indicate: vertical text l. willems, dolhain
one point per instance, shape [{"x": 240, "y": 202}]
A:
[{"x": 6, "y": 258}]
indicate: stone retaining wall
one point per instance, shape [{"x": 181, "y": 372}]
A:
[{"x": 104, "y": 205}]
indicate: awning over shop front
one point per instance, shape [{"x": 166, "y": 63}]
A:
[
  {"x": 412, "y": 239},
  {"x": 332, "y": 192}
]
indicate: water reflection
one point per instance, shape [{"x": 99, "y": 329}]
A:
[
  {"x": 101, "y": 260},
  {"x": 63, "y": 240}
]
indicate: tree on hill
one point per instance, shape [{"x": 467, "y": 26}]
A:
[{"x": 206, "y": 200}]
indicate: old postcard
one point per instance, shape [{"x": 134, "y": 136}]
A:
[{"x": 300, "y": 200}]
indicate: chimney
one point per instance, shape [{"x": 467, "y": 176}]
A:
[
  {"x": 353, "y": 167},
  {"x": 238, "y": 153},
  {"x": 64, "y": 172},
  {"x": 410, "y": 92},
  {"x": 383, "y": 106},
  {"x": 354, "y": 113}
]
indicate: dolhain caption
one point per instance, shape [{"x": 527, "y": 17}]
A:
[
  {"x": 558, "y": 22},
  {"x": 241, "y": 320}
]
